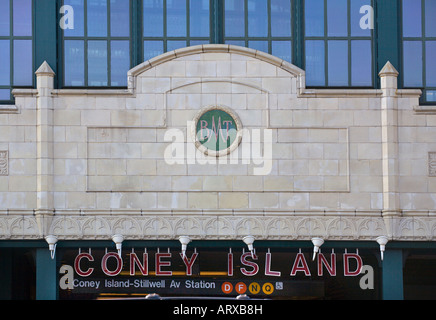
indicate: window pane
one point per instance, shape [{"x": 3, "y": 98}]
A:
[
  {"x": 412, "y": 63},
  {"x": 356, "y": 16},
  {"x": 257, "y": 18},
  {"x": 338, "y": 63},
  {"x": 314, "y": 18},
  {"x": 412, "y": 23},
  {"x": 234, "y": 18},
  {"x": 97, "y": 63},
  {"x": 337, "y": 18},
  {"x": 361, "y": 63},
  {"x": 120, "y": 62},
  {"x": 5, "y": 94},
  {"x": 199, "y": 18},
  {"x": 97, "y": 18},
  {"x": 5, "y": 57},
  {"x": 282, "y": 49},
  {"x": 176, "y": 18},
  {"x": 23, "y": 63},
  {"x": 152, "y": 49},
  {"x": 79, "y": 18},
  {"x": 4, "y": 18},
  {"x": 430, "y": 65},
  {"x": 431, "y": 95},
  {"x": 198, "y": 42},
  {"x": 280, "y": 18},
  {"x": 430, "y": 19},
  {"x": 175, "y": 44},
  {"x": 153, "y": 18},
  {"x": 258, "y": 45},
  {"x": 315, "y": 63},
  {"x": 120, "y": 18},
  {"x": 22, "y": 17},
  {"x": 74, "y": 63},
  {"x": 240, "y": 43}
]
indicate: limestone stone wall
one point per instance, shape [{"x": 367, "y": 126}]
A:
[{"x": 345, "y": 164}]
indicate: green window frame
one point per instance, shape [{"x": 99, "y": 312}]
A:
[
  {"x": 419, "y": 36},
  {"x": 255, "y": 30},
  {"x": 322, "y": 69},
  {"x": 17, "y": 42},
  {"x": 96, "y": 44},
  {"x": 168, "y": 25}
]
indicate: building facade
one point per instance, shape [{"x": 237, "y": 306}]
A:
[{"x": 279, "y": 149}]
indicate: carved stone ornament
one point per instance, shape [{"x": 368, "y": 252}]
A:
[
  {"x": 4, "y": 169},
  {"x": 432, "y": 164}
]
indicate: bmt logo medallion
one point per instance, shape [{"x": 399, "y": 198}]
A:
[{"x": 217, "y": 131}]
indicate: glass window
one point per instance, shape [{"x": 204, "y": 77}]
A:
[
  {"x": 97, "y": 50},
  {"x": 412, "y": 14},
  {"x": 419, "y": 46},
  {"x": 314, "y": 18},
  {"x": 360, "y": 60},
  {"x": 431, "y": 96},
  {"x": 430, "y": 66},
  {"x": 337, "y": 18},
  {"x": 23, "y": 62},
  {"x": 338, "y": 63},
  {"x": 249, "y": 23},
  {"x": 74, "y": 57},
  {"x": 172, "y": 24},
  {"x": 16, "y": 46},
  {"x": 315, "y": 62},
  {"x": 338, "y": 51},
  {"x": 4, "y": 18},
  {"x": 430, "y": 19},
  {"x": 5, "y": 55}
]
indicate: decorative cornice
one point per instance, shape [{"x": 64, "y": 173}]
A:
[{"x": 102, "y": 226}]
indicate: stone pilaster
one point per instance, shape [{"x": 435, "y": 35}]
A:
[
  {"x": 390, "y": 152},
  {"x": 44, "y": 132}
]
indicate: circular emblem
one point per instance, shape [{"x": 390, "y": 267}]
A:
[{"x": 217, "y": 131}]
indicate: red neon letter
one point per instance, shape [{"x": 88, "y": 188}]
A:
[
  {"x": 268, "y": 271},
  {"x": 359, "y": 261},
  {"x": 330, "y": 268},
  {"x": 135, "y": 260},
  {"x": 189, "y": 263},
  {"x": 304, "y": 267},
  {"x": 230, "y": 264},
  {"x": 245, "y": 262},
  {"x": 104, "y": 264},
  {"x": 160, "y": 264},
  {"x": 77, "y": 265}
]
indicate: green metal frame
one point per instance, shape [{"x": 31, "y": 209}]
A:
[
  {"x": 11, "y": 38},
  {"x": 326, "y": 38},
  {"x": 387, "y": 36}
]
